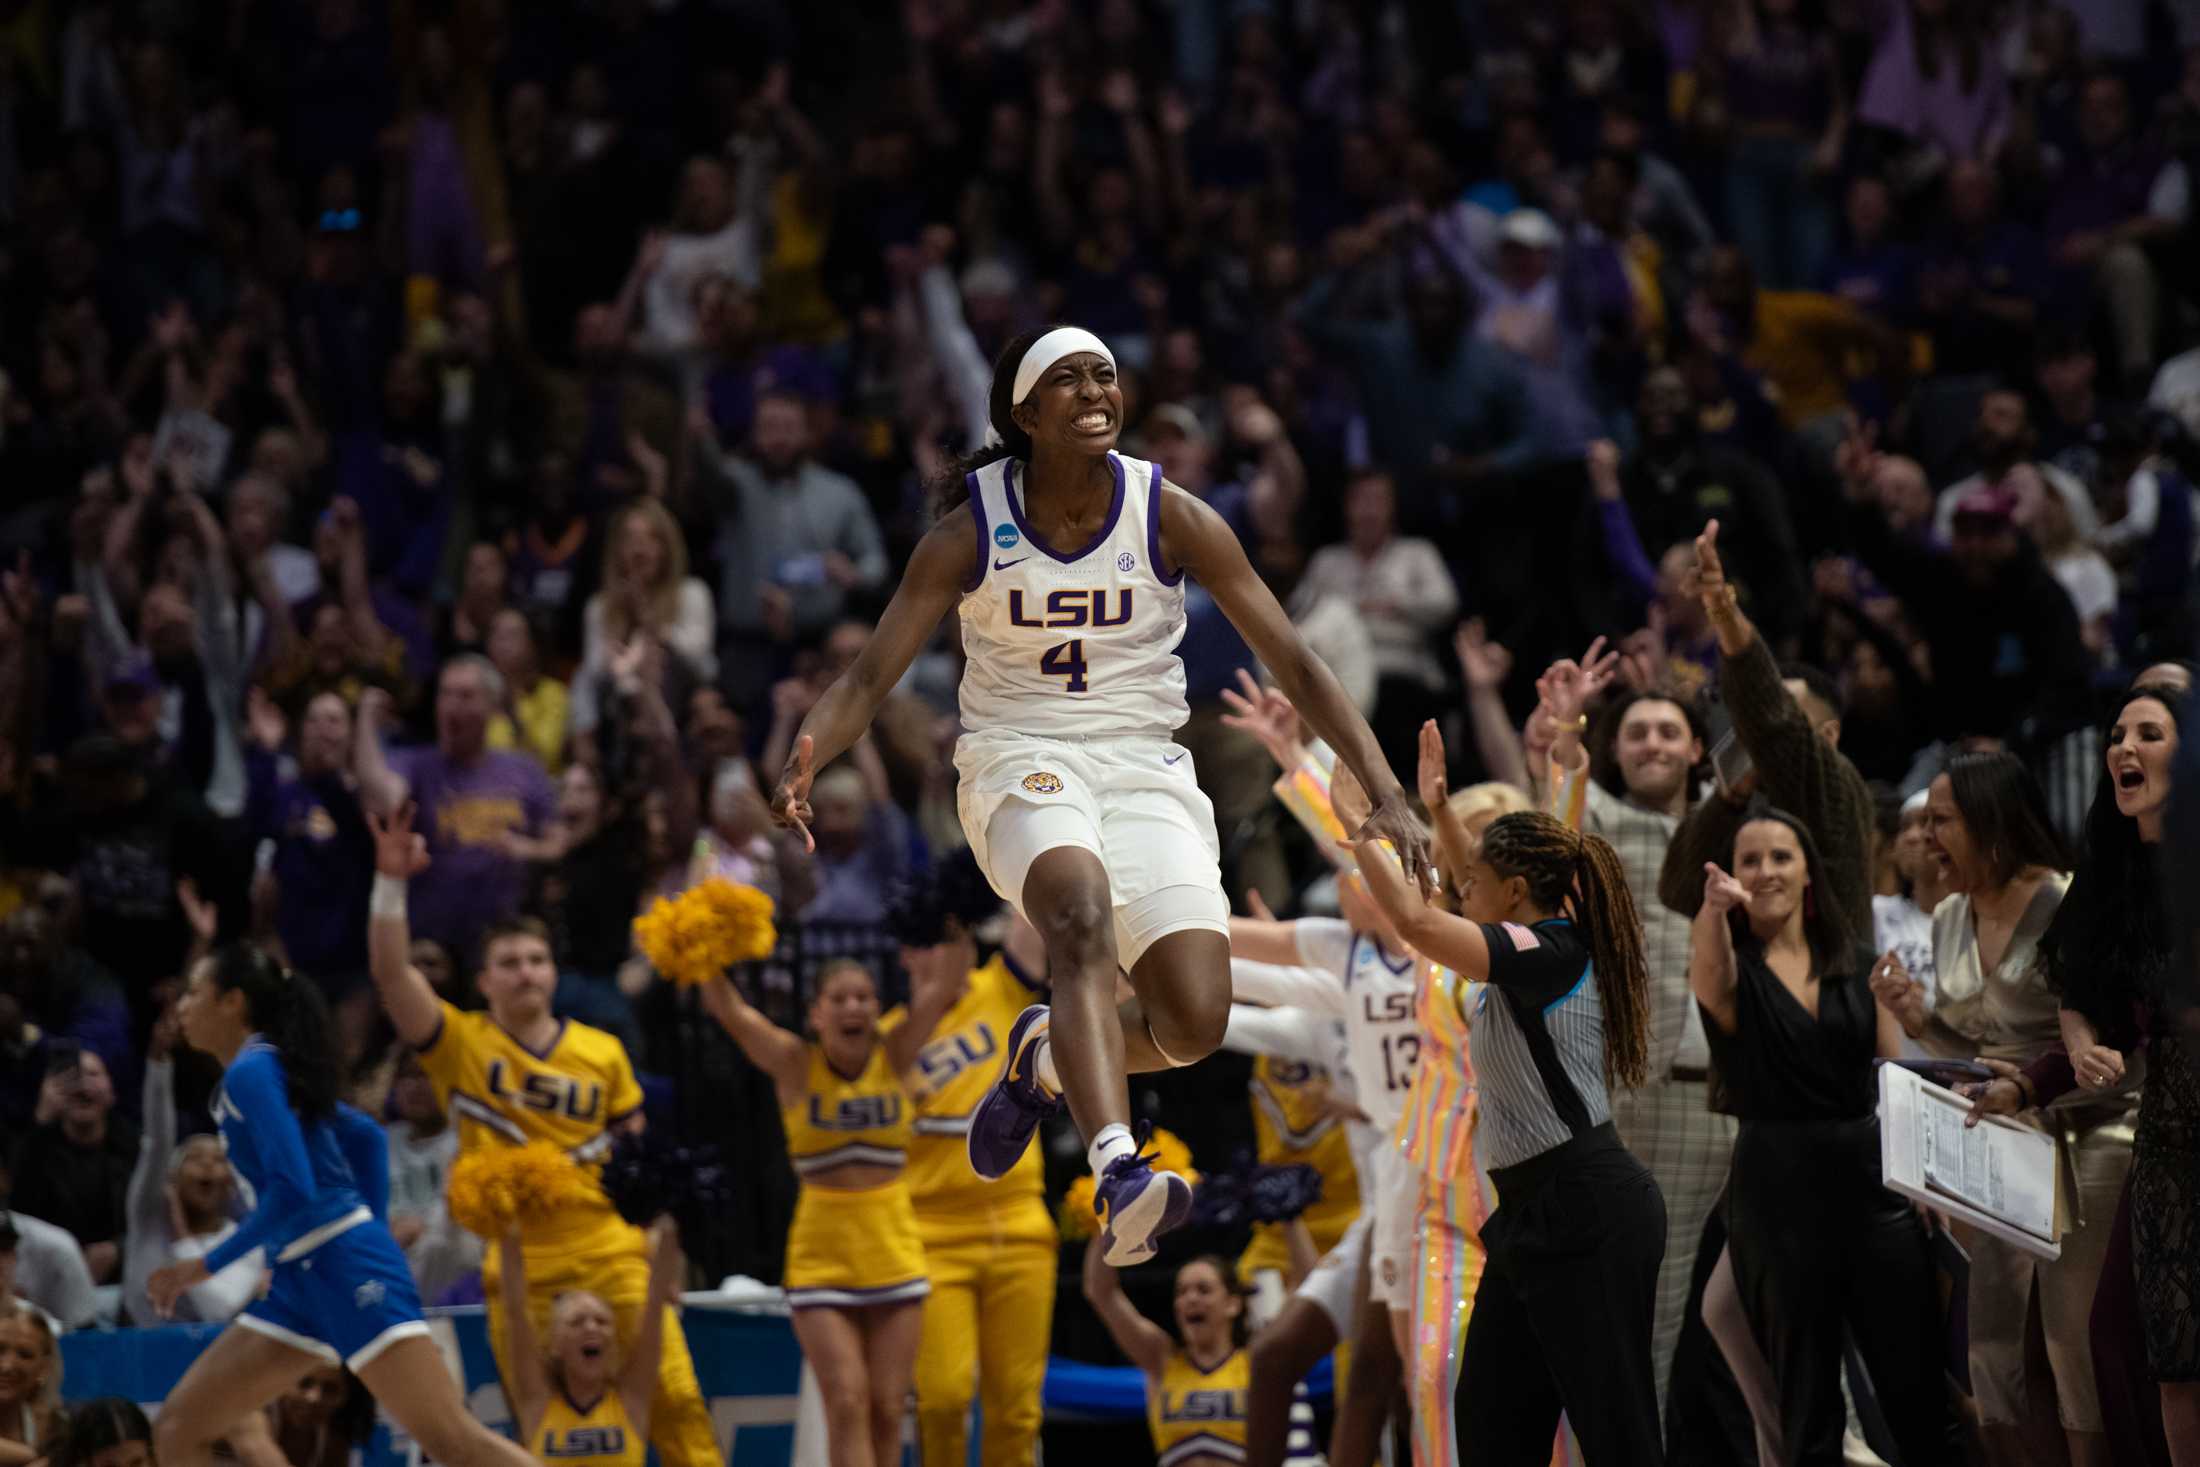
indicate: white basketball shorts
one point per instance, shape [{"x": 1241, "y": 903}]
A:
[
  {"x": 1394, "y": 1191},
  {"x": 1135, "y": 803},
  {"x": 1334, "y": 1283}
]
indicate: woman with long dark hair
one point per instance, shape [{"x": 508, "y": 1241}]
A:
[
  {"x": 2107, "y": 958},
  {"x": 1197, "y": 1383},
  {"x": 1816, "y": 1241},
  {"x": 341, "y": 1292},
  {"x": 1066, "y": 562},
  {"x": 2005, "y": 867},
  {"x": 1562, "y": 1315}
]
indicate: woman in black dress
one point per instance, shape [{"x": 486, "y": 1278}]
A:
[
  {"x": 2109, "y": 957},
  {"x": 1819, "y": 1245}
]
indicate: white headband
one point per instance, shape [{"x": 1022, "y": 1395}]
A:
[{"x": 1062, "y": 341}]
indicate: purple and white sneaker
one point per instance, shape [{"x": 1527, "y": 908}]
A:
[
  {"x": 1136, "y": 1205},
  {"x": 1001, "y": 1126}
]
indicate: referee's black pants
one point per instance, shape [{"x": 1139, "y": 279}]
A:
[{"x": 1561, "y": 1320}]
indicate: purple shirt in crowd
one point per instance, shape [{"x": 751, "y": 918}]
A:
[
  {"x": 465, "y": 812},
  {"x": 324, "y": 864}
]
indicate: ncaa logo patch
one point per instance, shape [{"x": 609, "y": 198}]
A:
[
  {"x": 368, "y": 1295},
  {"x": 1043, "y": 783},
  {"x": 1125, "y": 561},
  {"x": 1005, "y": 536}
]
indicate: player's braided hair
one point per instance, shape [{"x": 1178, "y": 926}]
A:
[
  {"x": 290, "y": 1012},
  {"x": 951, "y": 487},
  {"x": 1565, "y": 868}
]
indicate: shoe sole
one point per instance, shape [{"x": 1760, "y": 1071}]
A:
[
  {"x": 1019, "y": 1039},
  {"x": 1165, "y": 1203}
]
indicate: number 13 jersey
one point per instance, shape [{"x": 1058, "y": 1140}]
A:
[{"x": 1076, "y": 643}]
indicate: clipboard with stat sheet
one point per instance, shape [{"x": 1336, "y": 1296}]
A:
[{"x": 1997, "y": 1176}]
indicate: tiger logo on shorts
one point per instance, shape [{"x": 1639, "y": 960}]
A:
[{"x": 1043, "y": 783}]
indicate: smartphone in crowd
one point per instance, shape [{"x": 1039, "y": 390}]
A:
[{"x": 1730, "y": 762}]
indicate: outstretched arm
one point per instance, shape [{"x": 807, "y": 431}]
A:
[
  {"x": 1195, "y": 538},
  {"x": 938, "y": 571},
  {"x": 1145, "y": 1343},
  {"x": 1711, "y": 973},
  {"x": 775, "y": 1051},
  {"x": 523, "y": 1365},
  {"x": 936, "y": 980},
  {"x": 638, "y": 1381},
  {"x": 406, "y": 995},
  {"x": 1430, "y": 931}
]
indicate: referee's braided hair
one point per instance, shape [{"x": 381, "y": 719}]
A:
[
  {"x": 951, "y": 486},
  {"x": 1563, "y": 868}
]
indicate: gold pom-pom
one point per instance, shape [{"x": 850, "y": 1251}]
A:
[
  {"x": 1165, "y": 1149},
  {"x": 1077, "y": 1218},
  {"x": 492, "y": 1187},
  {"x": 695, "y": 936}
]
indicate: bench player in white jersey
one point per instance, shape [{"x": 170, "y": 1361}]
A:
[
  {"x": 1357, "y": 971},
  {"x": 1067, "y": 560}
]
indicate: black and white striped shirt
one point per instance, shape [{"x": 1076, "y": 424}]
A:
[{"x": 1538, "y": 1041}]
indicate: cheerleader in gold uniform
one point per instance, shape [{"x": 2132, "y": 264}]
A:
[
  {"x": 856, "y": 1276},
  {"x": 991, "y": 1247},
  {"x": 1296, "y": 1120},
  {"x": 1195, "y": 1391},
  {"x": 575, "y": 1403}
]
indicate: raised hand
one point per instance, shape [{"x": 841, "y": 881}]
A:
[
  {"x": 1434, "y": 782},
  {"x": 1393, "y": 820},
  {"x": 1602, "y": 461},
  {"x": 1707, "y": 578},
  {"x": 1643, "y": 658},
  {"x": 398, "y": 850},
  {"x": 264, "y": 721},
  {"x": 791, "y": 798},
  {"x": 1903, "y": 996},
  {"x": 1482, "y": 662},
  {"x": 1566, "y": 686},
  {"x": 203, "y": 917},
  {"x": 377, "y": 710},
  {"x": 1267, "y": 715},
  {"x": 1386, "y": 883},
  {"x": 1721, "y": 892}
]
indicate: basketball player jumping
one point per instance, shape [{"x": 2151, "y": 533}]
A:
[{"x": 1067, "y": 561}]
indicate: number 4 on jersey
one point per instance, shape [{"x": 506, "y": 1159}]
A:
[{"x": 1066, "y": 660}]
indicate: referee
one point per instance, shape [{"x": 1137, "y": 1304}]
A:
[{"x": 1562, "y": 1317}]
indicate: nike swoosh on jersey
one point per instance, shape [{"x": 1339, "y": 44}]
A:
[
  {"x": 1172, "y": 758},
  {"x": 1005, "y": 564}
]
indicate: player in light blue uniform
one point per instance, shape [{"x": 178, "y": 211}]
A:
[{"x": 319, "y": 1174}]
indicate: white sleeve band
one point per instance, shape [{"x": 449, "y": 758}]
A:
[{"x": 388, "y": 898}]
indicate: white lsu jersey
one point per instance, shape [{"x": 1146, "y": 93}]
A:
[
  {"x": 1382, "y": 1035},
  {"x": 1077, "y": 644}
]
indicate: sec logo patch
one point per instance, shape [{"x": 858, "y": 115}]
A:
[
  {"x": 1043, "y": 783},
  {"x": 1126, "y": 561}
]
